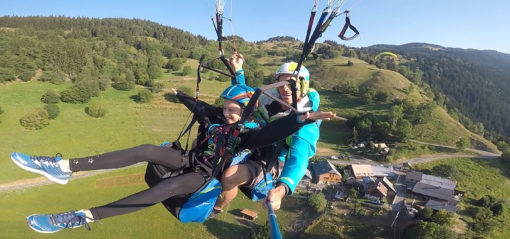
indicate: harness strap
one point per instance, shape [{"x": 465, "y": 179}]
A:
[
  {"x": 348, "y": 25},
  {"x": 224, "y": 153}
]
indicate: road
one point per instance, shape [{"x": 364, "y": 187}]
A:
[
  {"x": 398, "y": 201},
  {"x": 481, "y": 152}
]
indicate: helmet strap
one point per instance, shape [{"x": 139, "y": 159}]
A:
[{"x": 294, "y": 93}]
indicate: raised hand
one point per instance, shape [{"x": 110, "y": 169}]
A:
[{"x": 236, "y": 61}]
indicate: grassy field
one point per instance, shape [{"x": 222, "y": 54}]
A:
[
  {"x": 443, "y": 129},
  {"x": 338, "y": 222},
  {"x": 478, "y": 177},
  {"x": 154, "y": 222},
  {"x": 75, "y": 134}
]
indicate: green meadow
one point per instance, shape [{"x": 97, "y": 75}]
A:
[{"x": 154, "y": 222}]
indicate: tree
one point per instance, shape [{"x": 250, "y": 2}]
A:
[
  {"x": 428, "y": 230},
  {"x": 479, "y": 213},
  {"x": 381, "y": 96},
  {"x": 175, "y": 64},
  {"x": 444, "y": 170},
  {"x": 355, "y": 136},
  {"x": 7, "y": 74},
  {"x": 154, "y": 69},
  {"x": 505, "y": 157},
  {"x": 403, "y": 129},
  {"x": 27, "y": 75},
  {"x": 462, "y": 143},
  {"x": 104, "y": 82},
  {"x": 157, "y": 87},
  {"x": 123, "y": 85},
  {"x": 498, "y": 208},
  {"x": 50, "y": 97},
  {"x": 396, "y": 113},
  {"x": 381, "y": 130},
  {"x": 262, "y": 232},
  {"x": 53, "y": 110},
  {"x": 502, "y": 145},
  {"x": 74, "y": 95},
  {"x": 353, "y": 192},
  {"x": 317, "y": 201},
  {"x": 144, "y": 96},
  {"x": 486, "y": 201},
  {"x": 368, "y": 95},
  {"x": 96, "y": 110},
  {"x": 442, "y": 217},
  {"x": 425, "y": 214},
  {"x": 186, "y": 70},
  {"x": 36, "y": 119},
  {"x": 52, "y": 77},
  {"x": 364, "y": 128}
]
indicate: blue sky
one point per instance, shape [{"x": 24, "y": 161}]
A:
[{"x": 452, "y": 23}]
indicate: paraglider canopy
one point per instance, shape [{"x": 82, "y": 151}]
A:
[{"x": 385, "y": 53}]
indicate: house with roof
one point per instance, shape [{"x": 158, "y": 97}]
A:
[
  {"x": 413, "y": 177},
  {"x": 438, "y": 205},
  {"x": 324, "y": 172},
  {"x": 249, "y": 214},
  {"x": 358, "y": 171},
  {"x": 383, "y": 171},
  {"x": 382, "y": 148},
  {"x": 376, "y": 190},
  {"x": 440, "y": 191},
  {"x": 389, "y": 185}
]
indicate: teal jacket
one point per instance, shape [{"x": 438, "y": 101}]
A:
[{"x": 301, "y": 145}]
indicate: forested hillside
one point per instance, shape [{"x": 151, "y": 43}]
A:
[
  {"x": 95, "y": 54},
  {"x": 474, "y": 82}
]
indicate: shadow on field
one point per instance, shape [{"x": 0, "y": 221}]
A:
[
  {"x": 135, "y": 98},
  {"x": 170, "y": 97},
  {"x": 221, "y": 229}
]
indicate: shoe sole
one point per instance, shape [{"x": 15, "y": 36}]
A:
[
  {"x": 33, "y": 170},
  {"x": 46, "y": 232}
]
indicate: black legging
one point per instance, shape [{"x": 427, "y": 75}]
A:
[
  {"x": 179, "y": 185},
  {"x": 169, "y": 157},
  {"x": 165, "y": 156}
]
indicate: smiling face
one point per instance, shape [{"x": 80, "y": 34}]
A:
[
  {"x": 285, "y": 91},
  {"x": 232, "y": 111}
]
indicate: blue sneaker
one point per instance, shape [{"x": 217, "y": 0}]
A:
[
  {"x": 50, "y": 223},
  {"x": 47, "y": 166}
]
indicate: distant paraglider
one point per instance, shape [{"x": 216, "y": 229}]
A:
[{"x": 385, "y": 53}]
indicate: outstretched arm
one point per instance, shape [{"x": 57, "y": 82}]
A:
[
  {"x": 200, "y": 108},
  {"x": 280, "y": 129}
]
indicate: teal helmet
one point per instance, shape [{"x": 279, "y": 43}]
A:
[{"x": 238, "y": 93}]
